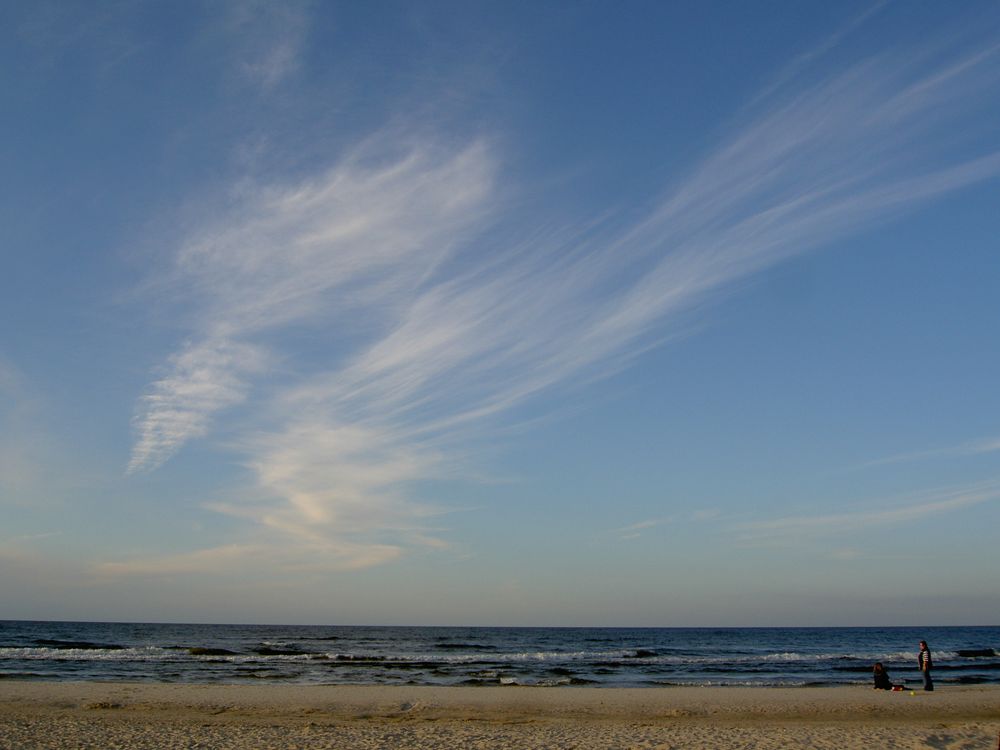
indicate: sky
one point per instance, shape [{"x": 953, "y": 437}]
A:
[{"x": 471, "y": 313}]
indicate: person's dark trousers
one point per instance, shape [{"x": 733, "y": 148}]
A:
[{"x": 928, "y": 684}]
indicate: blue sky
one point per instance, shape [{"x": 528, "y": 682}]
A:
[{"x": 515, "y": 313}]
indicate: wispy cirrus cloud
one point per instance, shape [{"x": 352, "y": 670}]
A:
[
  {"x": 201, "y": 380},
  {"x": 970, "y": 448},
  {"x": 633, "y": 531},
  {"x": 919, "y": 507},
  {"x": 802, "y": 61},
  {"x": 236, "y": 558},
  {"x": 435, "y": 325},
  {"x": 270, "y": 39},
  {"x": 351, "y": 241}
]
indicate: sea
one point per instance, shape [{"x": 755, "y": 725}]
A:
[{"x": 555, "y": 657}]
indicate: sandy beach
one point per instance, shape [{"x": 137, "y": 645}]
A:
[{"x": 134, "y": 715}]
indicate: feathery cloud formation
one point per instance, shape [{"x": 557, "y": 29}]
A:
[{"x": 435, "y": 326}]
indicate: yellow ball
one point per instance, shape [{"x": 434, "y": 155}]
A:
[{"x": 912, "y": 693}]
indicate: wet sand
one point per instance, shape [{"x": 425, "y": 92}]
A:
[{"x": 139, "y": 715}]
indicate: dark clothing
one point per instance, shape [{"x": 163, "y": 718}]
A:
[
  {"x": 924, "y": 661},
  {"x": 882, "y": 680}
]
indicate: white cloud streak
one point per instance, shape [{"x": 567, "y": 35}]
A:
[
  {"x": 434, "y": 327},
  {"x": 972, "y": 448},
  {"x": 271, "y": 38},
  {"x": 796, "y": 527},
  {"x": 634, "y": 531},
  {"x": 802, "y": 62},
  {"x": 238, "y": 558},
  {"x": 202, "y": 379},
  {"x": 350, "y": 242}
]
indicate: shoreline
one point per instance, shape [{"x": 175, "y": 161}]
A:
[{"x": 140, "y": 715}]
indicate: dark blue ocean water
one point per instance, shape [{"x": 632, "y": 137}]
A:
[{"x": 490, "y": 656}]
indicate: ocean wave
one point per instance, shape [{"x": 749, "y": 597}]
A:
[
  {"x": 77, "y": 645},
  {"x": 975, "y": 653},
  {"x": 204, "y": 651},
  {"x": 145, "y": 653},
  {"x": 450, "y": 656},
  {"x": 272, "y": 651},
  {"x": 977, "y": 667}
]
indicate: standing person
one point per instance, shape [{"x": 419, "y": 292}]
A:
[{"x": 924, "y": 662}]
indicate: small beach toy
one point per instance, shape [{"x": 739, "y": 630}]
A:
[{"x": 912, "y": 693}]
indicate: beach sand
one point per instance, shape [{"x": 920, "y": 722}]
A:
[{"x": 136, "y": 716}]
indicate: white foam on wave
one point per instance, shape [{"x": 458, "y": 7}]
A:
[{"x": 142, "y": 653}]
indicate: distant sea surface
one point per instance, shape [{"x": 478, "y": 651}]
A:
[{"x": 618, "y": 657}]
